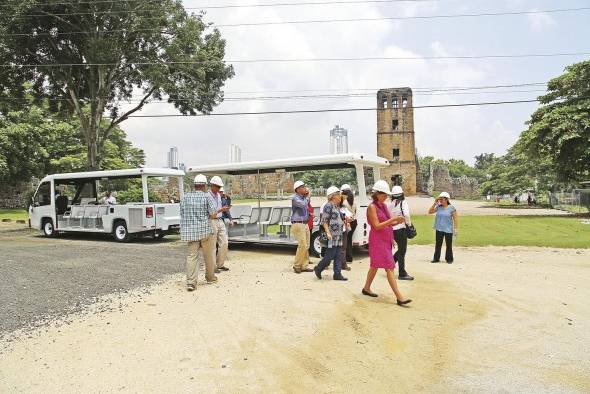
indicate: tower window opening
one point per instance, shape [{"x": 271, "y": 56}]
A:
[
  {"x": 394, "y": 102},
  {"x": 383, "y": 101},
  {"x": 396, "y": 154},
  {"x": 404, "y": 102},
  {"x": 394, "y": 124}
]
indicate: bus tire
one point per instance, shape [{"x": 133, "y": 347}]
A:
[
  {"x": 120, "y": 231},
  {"x": 315, "y": 246},
  {"x": 48, "y": 228},
  {"x": 160, "y": 234}
]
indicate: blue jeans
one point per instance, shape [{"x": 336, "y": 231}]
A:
[{"x": 334, "y": 253}]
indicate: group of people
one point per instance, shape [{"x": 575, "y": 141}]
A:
[{"x": 388, "y": 215}]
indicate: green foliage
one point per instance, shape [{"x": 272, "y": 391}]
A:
[
  {"x": 34, "y": 143},
  {"x": 510, "y": 231},
  {"x": 559, "y": 130},
  {"x": 160, "y": 50},
  {"x": 326, "y": 178},
  {"x": 14, "y": 214}
]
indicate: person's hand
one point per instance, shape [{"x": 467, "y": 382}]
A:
[
  {"x": 224, "y": 209},
  {"x": 329, "y": 234},
  {"x": 231, "y": 223},
  {"x": 456, "y": 233}
]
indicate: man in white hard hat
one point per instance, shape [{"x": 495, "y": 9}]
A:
[
  {"x": 219, "y": 231},
  {"x": 197, "y": 209},
  {"x": 299, "y": 218}
]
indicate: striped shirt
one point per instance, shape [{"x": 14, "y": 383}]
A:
[{"x": 196, "y": 209}]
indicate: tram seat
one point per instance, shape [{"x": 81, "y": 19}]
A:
[
  {"x": 76, "y": 216},
  {"x": 251, "y": 220},
  {"x": 240, "y": 213},
  {"x": 274, "y": 216},
  {"x": 285, "y": 222}
]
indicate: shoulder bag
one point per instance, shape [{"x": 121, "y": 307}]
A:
[{"x": 410, "y": 229}]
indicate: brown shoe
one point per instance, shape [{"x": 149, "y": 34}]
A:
[
  {"x": 346, "y": 267},
  {"x": 297, "y": 270},
  {"x": 213, "y": 280},
  {"x": 307, "y": 270}
]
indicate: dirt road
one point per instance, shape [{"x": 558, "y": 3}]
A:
[{"x": 498, "y": 320}]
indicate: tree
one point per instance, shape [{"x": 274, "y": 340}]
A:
[
  {"x": 33, "y": 143},
  {"x": 88, "y": 58},
  {"x": 559, "y": 131},
  {"x": 484, "y": 161}
]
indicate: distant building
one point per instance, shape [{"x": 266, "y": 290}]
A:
[
  {"x": 235, "y": 154},
  {"x": 182, "y": 166},
  {"x": 172, "y": 158},
  {"x": 338, "y": 140}
]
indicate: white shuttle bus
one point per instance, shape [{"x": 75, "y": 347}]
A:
[
  {"x": 252, "y": 221},
  {"x": 71, "y": 203}
]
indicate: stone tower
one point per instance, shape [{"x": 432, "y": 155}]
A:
[{"x": 395, "y": 137}]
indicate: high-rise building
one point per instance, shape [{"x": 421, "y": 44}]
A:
[
  {"x": 172, "y": 157},
  {"x": 235, "y": 154},
  {"x": 395, "y": 137},
  {"x": 338, "y": 140}
]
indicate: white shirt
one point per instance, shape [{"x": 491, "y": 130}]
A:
[
  {"x": 217, "y": 200},
  {"x": 396, "y": 211}
]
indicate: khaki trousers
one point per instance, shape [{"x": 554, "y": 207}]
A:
[
  {"x": 301, "y": 234},
  {"x": 220, "y": 247},
  {"x": 204, "y": 247}
]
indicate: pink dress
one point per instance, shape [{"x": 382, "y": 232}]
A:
[{"x": 381, "y": 241}]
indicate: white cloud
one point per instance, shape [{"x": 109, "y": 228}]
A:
[
  {"x": 459, "y": 132},
  {"x": 541, "y": 22}
]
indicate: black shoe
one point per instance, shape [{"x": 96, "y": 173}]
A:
[
  {"x": 435, "y": 261},
  {"x": 405, "y": 277},
  {"x": 367, "y": 293},
  {"x": 402, "y": 303},
  {"x": 450, "y": 262},
  {"x": 223, "y": 269},
  {"x": 317, "y": 273},
  {"x": 340, "y": 278}
]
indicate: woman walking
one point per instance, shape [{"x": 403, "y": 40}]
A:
[
  {"x": 446, "y": 224},
  {"x": 381, "y": 241},
  {"x": 349, "y": 204},
  {"x": 399, "y": 208},
  {"x": 333, "y": 225}
]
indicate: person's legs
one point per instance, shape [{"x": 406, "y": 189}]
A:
[
  {"x": 393, "y": 284},
  {"x": 353, "y": 225},
  {"x": 338, "y": 262},
  {"x": 222, "y": 243},
  {"x": 325, "y": 261},
  {"x": 449, "y": 247},
  {"x": 208, "y": 245},
  {"x": 438, "y": 245},
  {"x": 192, "y": 268},
  {"x": 370, "y": 276},
  {"x": 343, "y": 251},
  {"x": 299, "y": 231},
  {"x": 401, "y": 239},
  {"x": 307, "y": 242}
]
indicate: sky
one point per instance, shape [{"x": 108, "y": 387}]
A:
[{"x": 460, "y": 132}]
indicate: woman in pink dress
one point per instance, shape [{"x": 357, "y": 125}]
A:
[{"x": 381, "y": 241}]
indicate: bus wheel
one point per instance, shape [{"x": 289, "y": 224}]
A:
[
  {"x": 48, "y": 229},
  {"x": 120, "y": 231},
  {"x": 160, "y": 234},
  {"x": 316, "y": 246}
]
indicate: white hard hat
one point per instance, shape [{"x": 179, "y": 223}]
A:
[
  {"x": 382, "y": 187},
  {"x": 216, "y": 181},
  {"x": 298, "y": 184},
  {"x": 332, "y": 190},
  {"x": 221, "y": 189},
  {"x": 200, "y": 180},
  {"x": 396, "y": 190},
  {"x": 344, "y": 187},
  {"x": 445, "y": 195}
]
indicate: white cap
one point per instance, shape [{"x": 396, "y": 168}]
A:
[
  {"x": 216, "y": 181},
  {"x": 344, "y": 187},
  {"x": 298, "y": 184},
  {"x": 332, "y": 190},
  {"x": 396, "y": 190},
  {"x": 200, "y": 180},
  {"x": 382, "y": 187},
  {"x": 445, "y": 195}
]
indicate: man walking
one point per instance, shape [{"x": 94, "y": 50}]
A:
[
  {"x": 299, "y": 218},
  {"x": 219, "y": 230},
  {"x": 197, "y": 209}
]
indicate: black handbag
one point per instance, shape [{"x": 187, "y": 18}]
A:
[{"x": 411, "y": 231}]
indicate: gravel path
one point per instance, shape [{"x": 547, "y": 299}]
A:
[{"x": 50, "y": 278}]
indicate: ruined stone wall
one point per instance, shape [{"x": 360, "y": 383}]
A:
[
  {"x": 271, "y": 185},
  {"x": 15, "y": 196},
  {"x": 440, "y": 180}
]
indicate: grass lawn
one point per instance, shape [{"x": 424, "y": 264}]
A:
[
  {"x": 557, "y": 232},
  {"x": 14, "y": 214}
]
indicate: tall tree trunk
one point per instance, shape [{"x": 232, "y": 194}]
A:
[{"x": 92, "y": 155}]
